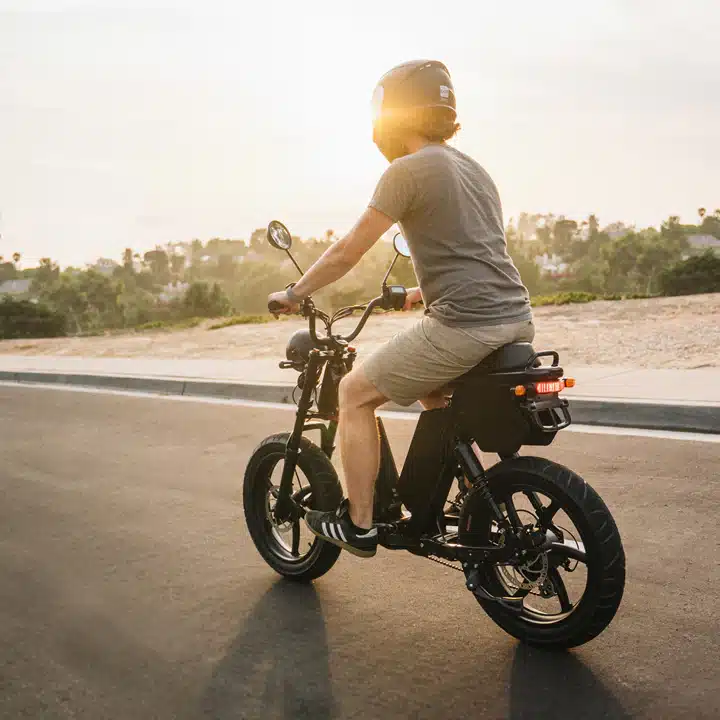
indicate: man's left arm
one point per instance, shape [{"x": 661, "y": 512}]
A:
[{"x": 342, "y": 256}]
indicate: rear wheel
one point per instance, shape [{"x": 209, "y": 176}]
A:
[
  {"x": 570, "y": 592},
  {"x": 289, "y": 547}
]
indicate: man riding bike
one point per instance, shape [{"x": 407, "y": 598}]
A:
[{"x": 449, "y": 211}]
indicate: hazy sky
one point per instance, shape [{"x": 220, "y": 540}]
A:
[{"x": 134, "y": 123}]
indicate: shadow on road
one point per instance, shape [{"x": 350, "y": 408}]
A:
[
  {"x": 277, "y": 667},
  {"x": 545, "y": 684}
]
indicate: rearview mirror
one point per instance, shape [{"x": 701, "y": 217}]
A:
[
  {"x": 279, "y": 236},
  {"x": 401, "y": 246}
]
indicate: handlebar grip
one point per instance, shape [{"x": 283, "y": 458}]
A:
[{"x": 274, "y": 306}]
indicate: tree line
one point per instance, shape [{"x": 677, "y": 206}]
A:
[{"x": 222, "y": 276}]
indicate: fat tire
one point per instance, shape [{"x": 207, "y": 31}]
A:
[
  {"x": 606, "y": 557},
  {"x": 326, "y": 495}
]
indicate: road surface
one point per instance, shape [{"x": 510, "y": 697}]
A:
[{"x": 129, "y": 587}]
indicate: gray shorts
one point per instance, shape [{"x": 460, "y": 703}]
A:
[{"x": 428, "y": 355}]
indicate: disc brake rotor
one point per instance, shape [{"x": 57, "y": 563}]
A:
[
  {"x": 529, "y": 576},
  {"x": 272, "y": 496},
  {"x": 526, "y": 577}
]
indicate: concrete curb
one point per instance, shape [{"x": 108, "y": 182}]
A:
[{"x": 683, "y": 417}]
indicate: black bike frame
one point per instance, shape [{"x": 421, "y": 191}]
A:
[
  {"x": 285, "y": 509},
  {"x": 436, "y": 457}
]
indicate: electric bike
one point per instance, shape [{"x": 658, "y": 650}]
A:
[{"x": 536, "y": 544}]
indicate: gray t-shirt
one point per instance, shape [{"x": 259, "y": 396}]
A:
[{"x": 448, "y": 209}]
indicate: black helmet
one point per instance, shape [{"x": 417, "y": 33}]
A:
[
  {"x": 299, "y": 346},
  {"x": 411, "y": 86}
]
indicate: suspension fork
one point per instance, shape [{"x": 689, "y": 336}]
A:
[{"x": 285, "y": 509}]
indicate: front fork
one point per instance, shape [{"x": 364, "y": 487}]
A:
[
  {"x": 387, "y": 503},
  {"x": 286, "y": 509}
]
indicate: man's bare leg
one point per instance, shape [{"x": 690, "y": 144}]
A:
[
  {"x": 359, "y": 443},
  {"x": 435, "y": 400}
]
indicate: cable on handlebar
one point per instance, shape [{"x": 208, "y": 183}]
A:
[
  {"x": 312, "y": 313},
  {"x": 375, "y": 302},
  {"x": 346, "y": 312}
]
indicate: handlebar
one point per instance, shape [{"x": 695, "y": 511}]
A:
[
  {"x": 375, "y": 302},
  {"x": 311, "y": 326},
  {"x": 309, "y": 311},
  {"x": 340, "y": 339}
]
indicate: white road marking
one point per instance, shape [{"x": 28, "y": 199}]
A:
[{"x": 390, "y": 414}]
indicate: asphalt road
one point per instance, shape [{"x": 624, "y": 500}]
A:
[{"x": 129, "y": 587}]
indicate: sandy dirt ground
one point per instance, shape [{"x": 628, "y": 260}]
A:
[{"x": 679, "y": 332}]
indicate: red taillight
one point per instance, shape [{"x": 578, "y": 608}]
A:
[{"x": 547, "y": 387}]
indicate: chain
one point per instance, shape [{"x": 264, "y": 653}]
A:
[{"x": 443, "y": 562}]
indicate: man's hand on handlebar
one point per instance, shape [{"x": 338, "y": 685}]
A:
[
  {"x": 280, "y": 304},
  {"x": 414, "y": 296}
]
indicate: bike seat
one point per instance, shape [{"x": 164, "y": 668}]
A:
[{"x": 508, "y": 358}]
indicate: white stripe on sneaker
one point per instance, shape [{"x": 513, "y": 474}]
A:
[
  {"x": 333, "y": 531},
  {"x": 369, "y": 534},
  {"x": 325, "y": 529},
  {"x": 341, "y": 533}
]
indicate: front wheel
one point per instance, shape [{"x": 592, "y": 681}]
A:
[
  {"x": 289, "y": 547},
  {"x": 570, "y": 591}
]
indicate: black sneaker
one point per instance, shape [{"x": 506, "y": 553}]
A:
[{"x": 337, "y": 528}]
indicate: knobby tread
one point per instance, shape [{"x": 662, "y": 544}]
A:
[{"x": 606, "y": 558}]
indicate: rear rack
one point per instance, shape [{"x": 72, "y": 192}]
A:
[
  {"x": 549, "y": 415},
  {"x": 544, "y": 353}
]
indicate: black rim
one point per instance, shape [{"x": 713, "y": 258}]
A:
[
  {"x": 552, "y": 584},
  {"x": 290, "y": 542}
]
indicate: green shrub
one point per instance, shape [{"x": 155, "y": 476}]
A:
[
  {"x": 25, "y": 319},
  {"x": 152, "y": 325},
  {"x": 637, "y": 296},
  {"x": 564, "y": 298},
  {"x": 697, "y": 274},
  {"x": 626, "y": 296},
  {"x": 241, "y": 320},
  {"x": 169, "y": 325}
]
